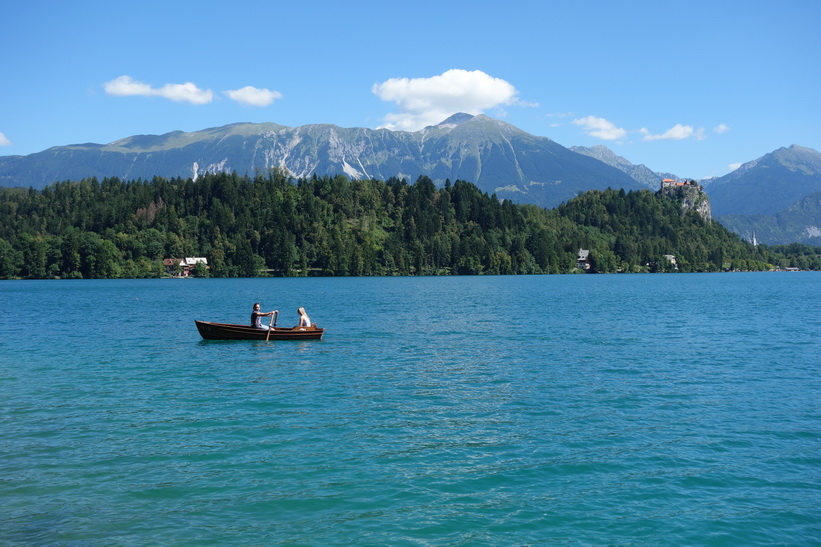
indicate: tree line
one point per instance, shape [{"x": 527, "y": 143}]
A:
[{"x": 275, "y": 225}]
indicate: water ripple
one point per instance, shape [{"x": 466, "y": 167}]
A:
[{"x": 604, "y": 420}]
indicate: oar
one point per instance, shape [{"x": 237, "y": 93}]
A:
[{"x": 271, "y": 323}]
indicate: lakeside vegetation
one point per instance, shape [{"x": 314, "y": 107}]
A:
[{"x": 275, "y": 225}]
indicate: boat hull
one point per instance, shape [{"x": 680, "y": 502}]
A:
[{"x": 227, "y": 331}]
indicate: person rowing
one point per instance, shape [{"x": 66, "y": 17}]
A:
[{"x": 256, "y": 317}]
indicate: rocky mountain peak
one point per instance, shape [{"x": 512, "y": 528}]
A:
[{"x": 457, "y": 119}]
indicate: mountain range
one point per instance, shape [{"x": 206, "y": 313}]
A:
[
  {"x": 775, "y": 198},
  {"x": 640, "y": 173},
  {"x": 800, "y": 222},
  {"x": 769, "y": 184},
  {"x": 771, "y": 197},
  {"x": 494, "y": 155}
]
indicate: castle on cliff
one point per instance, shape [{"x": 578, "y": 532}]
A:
[
  {"x": 690, "y": 194},
  {"x": 670, "y": 183}
]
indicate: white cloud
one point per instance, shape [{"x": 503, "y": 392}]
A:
[
  {"x": 735, "y": 165},
  {"x": 677, "y": 132},
  {"x": 252, "y": 96},
  {"x": 428, "y": 101},
  {"x": 4, "y": 141},
  {"x": 187, "y": 92},
  {"x": 600, "y": 128},
  {"x": 721, "y": 128},
  {"x": 126, "y": 85}
]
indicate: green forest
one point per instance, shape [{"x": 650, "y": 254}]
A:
[{"x": 274, "y": 225}]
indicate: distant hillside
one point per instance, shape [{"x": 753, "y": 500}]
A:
[
  {"x": 640, "y": 173},
  {"x": 769, "y": 184},
  {"x": 779, "y": 191},
  {"x": 800, "y": 223},
  {"x": 496, "y": 156},
  {"x": 775, "y": 198}
]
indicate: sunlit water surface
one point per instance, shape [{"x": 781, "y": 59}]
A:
[{"x": 621, "y": 409}]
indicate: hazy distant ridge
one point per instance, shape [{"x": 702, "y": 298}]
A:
[
  {"x": 640, "y": 173},
  {"x": 769, "y": 184},
  {"x": 776, "y": 198}
]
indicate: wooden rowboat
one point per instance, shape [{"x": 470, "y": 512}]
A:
[{"x": 227, "y": 331}]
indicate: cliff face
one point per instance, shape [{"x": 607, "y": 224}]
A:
[{"x": 692, "y": 198}]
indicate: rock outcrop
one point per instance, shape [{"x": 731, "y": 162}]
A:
[{"x": 691, "y": 196}]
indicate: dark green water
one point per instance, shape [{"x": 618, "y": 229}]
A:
[{"x": 592, "y": 410}]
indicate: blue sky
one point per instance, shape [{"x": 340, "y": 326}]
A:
[{"x": 693, "y": 88}]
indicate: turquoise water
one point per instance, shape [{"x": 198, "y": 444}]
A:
[{"x": 594, "y": 410}]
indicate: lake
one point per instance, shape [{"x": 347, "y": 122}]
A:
[{"x": 663, "y": 409}]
